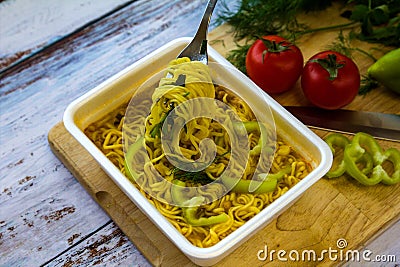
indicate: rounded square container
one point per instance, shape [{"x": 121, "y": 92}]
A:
[{"x": 118, "y": 89}]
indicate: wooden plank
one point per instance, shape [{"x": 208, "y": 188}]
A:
[
  {"x": 36, "y": 24},
  {"x": 107, "y": 246},
  {"x": 44, "y": 210}
]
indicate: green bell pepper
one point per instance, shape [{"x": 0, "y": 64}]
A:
[{"x": 386, "y": 70}]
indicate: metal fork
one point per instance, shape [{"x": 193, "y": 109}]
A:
[{"x": 196, "y": 50}]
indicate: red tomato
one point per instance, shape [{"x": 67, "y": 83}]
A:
[
  {"x": 330, "y": 80},
  {"x": 274, "y": 64}
]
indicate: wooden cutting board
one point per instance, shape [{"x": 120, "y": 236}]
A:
[{"x": 330, "y": 210}]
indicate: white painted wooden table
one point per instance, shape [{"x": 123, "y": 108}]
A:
[{"x": 51, "y": 52}]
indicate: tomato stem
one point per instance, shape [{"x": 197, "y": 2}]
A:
[
  {"x": 275, "y": 47},
  {"x": 330, "y": 65}
]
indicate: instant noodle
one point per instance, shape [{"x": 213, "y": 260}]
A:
[{"x": 202, "y": 221}]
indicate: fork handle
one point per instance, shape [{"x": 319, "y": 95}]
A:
[
  {"x": 203, "y": 27},
  {"x": 196, "y": 50}
]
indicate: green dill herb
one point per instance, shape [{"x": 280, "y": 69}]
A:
[
  {"x": 258, "y": 18},
  {"x": 195, "y": 177},
  {"x": 156, "y": 131},
  {"x": 342, "y": 44},
  {"x": 238, "y": 56},
  {"x": 367, "y": 84}
]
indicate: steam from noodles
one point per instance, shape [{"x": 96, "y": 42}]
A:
[{"x": 185, "y": 80}]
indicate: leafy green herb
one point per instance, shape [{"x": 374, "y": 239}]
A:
[
  {"x": 258, "y": 17},
  {"x": 156, "y": 131},
  {"x": 379, "y": 21},
  {"x": 342, "y": 44},
  {"x": 367, "y": 84},
  {"x": 195, "y": 177},
  {"x": 238, "y": 56}
]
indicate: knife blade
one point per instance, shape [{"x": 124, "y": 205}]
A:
[{"x": 379, "y": 125}]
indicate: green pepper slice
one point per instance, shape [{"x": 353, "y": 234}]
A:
[
  {"x": 363, "y": 144},
  {"x": 254, "y": 126},
  {"x": 392, "y": 155},
  {"x": 132, "y": 150},
  {"x": 267, "y": 185},
  {"x": 178, "y": 194},
  {"x": 340, "y": 141},
  {"x": 190, "y": 214},
  {"x": 190, "y": 206}
]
